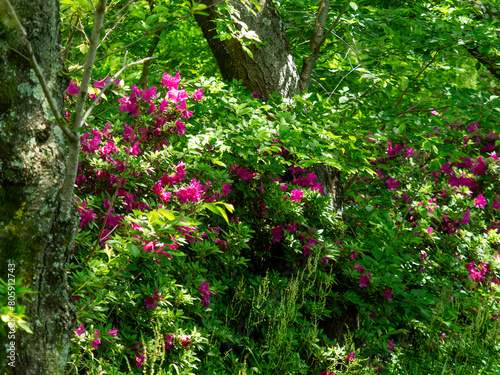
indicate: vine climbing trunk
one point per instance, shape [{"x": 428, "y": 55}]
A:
[{"x": 36, "y": 237}]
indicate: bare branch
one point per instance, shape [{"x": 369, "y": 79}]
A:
[
  {"x": 96, "y": 100},
  {"x": 67, "y": 193},
  {"x": 117, "y": 13},
  {"x": 424, "y": 67},
  {"x": 38, "y": 72},
  {"x": 335, "y": 23},
  {"x": 316, "y": 39},
  {"x": 143, "y": 37},
  {"x": 89, "y": 62},
  {"x": 69, "y": 44}
]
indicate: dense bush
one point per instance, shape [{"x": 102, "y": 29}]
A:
[{"x": 207, "y": 244}]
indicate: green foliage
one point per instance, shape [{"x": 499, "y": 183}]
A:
[{"x": 384, "y": 283}]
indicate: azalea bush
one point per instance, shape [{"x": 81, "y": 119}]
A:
[{"x": 208, "y": 245}]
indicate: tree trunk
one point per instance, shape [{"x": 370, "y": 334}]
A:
[
  {"x": 33, "y": 234},
  {"x": 272, "y": 68}
]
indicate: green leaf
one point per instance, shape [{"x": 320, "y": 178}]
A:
[
  {"x": 212, "y": 207},
  {"x": 166, "y": 213},
  {"x": 223, "y": 213},
  {"x": 134, "y": 250},
  {"x": 24, "y": 326},
  {"x": 378, "y": 254}
]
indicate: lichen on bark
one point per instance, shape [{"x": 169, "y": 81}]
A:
[{"x": 33, "y": 233}]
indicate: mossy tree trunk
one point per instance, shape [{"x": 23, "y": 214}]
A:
[{"x": 34, "y": 235}]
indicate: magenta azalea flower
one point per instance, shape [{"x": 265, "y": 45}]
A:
[
  {"x": 205, "y": 301},
  {"x": 185, "y": 341},
  {"x": 226, "y": 188},
  {"x": 192, "y": 193},
  {"x": 388, "y": 293},
  {"x": 350, "y": 357},
  {"x": 180, "y": 127},
  {"x": 198, "y": 94},
  {"x": 296, "y": 195},
  {"x": 97, "y": 341},
  {"x": 496, "y": 204},
  {"x": 359, "y": 268},
  {"x": 291, "y": 227},
  {"x": 151, "y": 301},
  {"x": 480, "y": 168},
  {"x": 392, "y": 184},
  {"x": 171, "y": 82},
  {"x": 390, "y": 343},
  {"x": 72, "y": 88},
  {"x": 363, "y": 282},
  {"x": 80, "y": 330},
  {"x": 178, "y": 95},
  {"x": 480, "y": 201},
  {"x": 169, "y": 342},
  {"x": 86, "y": 215},
  {"x": 465, "y": 217},
  {"x": 277, "y": 233},
  {"x": 113, "y": 332}
]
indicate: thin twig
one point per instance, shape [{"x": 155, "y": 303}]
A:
[
  {"x": 67, "y": 193},
  {"x": 117, "y": 13},
  {"x": 143, "y": 37},
  {"x": 69, "y": 43},
  {"x": 96, "y": 100},
  {"x": 89, "y": 63},
  {"x": 117, "y": 23},
  {"x": 337, "y": 20},
  {"x": 424, "y": 67}
]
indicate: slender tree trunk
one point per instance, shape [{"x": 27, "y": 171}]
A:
[
  {"x": 34, "y": 235},
  {"x": 272, "y": 68}
]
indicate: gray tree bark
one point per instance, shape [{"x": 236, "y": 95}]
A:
[
  {"x": 34, "y": 234},
  {"x": 272, "y": 68}
]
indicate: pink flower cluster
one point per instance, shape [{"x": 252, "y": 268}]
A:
[
  {"x": 86, "y": 215},
  {"x": 398, "y": 150},
  {"x": 478, "y": 273},
  {"x": 191, "y": 193},
  {"x": 139, "y": 354},
  {"x": 243, "y": 173},
  {"x": 365, "y": 279},
  {"x": 151, "y": 301},
  {"x": 308, "y": 181},
  {"x": 206, "y": 293}
]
